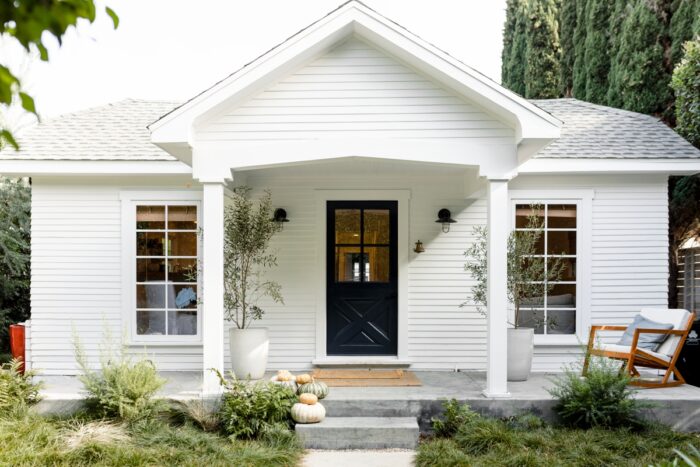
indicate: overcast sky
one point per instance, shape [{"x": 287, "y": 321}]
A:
[{"x": 173, "y": 49}]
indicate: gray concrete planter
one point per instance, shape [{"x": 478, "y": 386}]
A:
[
  {"x": 520, "y": 348},
  {"x": 249, "y": 349}
]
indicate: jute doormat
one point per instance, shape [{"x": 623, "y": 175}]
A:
[{"x": 367, "y": 378}]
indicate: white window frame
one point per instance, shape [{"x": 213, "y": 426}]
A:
[
  {"x": 583, "y": 199},
  {"x": 129, "y": 201}
]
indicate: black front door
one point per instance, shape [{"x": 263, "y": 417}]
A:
[{"x": 361, "y": 278}]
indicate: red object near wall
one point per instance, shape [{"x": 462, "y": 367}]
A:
[{"x": 17, "y": 343}]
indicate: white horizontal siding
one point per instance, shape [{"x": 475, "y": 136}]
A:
[
  {"x": 354, "y": 91},
  {"x": 76, "y": 276}
]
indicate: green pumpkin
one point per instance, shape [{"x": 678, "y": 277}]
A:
[{"x": 317, "y": 388}]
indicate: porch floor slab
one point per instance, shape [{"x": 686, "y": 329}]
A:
[{"x": 678, "y": 406}]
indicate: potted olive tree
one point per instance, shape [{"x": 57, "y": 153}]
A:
[
  {"x": 248, "y": 230},
  {"x": 528, "y": 282}
]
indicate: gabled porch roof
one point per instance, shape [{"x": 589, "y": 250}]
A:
[{"x": 534, "y": 128}]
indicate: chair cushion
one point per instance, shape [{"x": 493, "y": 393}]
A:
[
  {"x": 646, "y": 341},
  {"x": 626, "y": 349},
  {"x": 677, "y": 317}
]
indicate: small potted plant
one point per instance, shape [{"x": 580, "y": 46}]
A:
[
  {"x": 248, "y": 230},
  {"x": 527, "y": 281}
]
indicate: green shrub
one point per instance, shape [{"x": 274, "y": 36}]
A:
[
  {"x": 454, "y": 416},
  {"x": 248, "y": 410},
  {"x": 601, "y": 399},
  {"x": 123, "y": 389},
  {"x": 686, "y": 84},
  {"x": 198, "y": 412},
  {"x": 17, "y": 389}
]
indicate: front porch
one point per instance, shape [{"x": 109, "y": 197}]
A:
[{"x": 678, "y": 407}]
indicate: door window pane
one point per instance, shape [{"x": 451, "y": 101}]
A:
[
  {"x": 562, "y": 296},
  {"x": 150, "y": 322},
  {"x": 561, "y": 216},
  {"x": 182, "y": 217},
  {"x": 378, "y": 264},
  {"x": 150, "y": 243},
  {"x": 348, "y": 264},
  {"x": 182, "y": 244},
  {"x": 376, "y": 226},
  {"x": 347, "y": 226},
  {"x": 182, "y": 323},
  {"x": 150, "y": 269},
  {"x": 150, "y": 217}
]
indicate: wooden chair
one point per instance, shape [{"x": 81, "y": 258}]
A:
[{"x": 664, "y": 358}]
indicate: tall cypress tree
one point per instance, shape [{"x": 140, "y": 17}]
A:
[
  {"x": 543, "y": 50},
  {"x": 579, "y": 77},
  {"x": 619, "y": 13},
  {"x": 508, "y": 35},
  {"x": 642, "y": 69},
  {"x": 684, "y": 25},
  {"x": 567, "y": 26},
  {"x": 518, "y": 50},
  {"x": 596, "y": 58}
]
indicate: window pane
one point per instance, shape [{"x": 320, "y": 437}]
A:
[
  {"x": 376, "y": 226},
  {"x": 561, "y": 243},
  {"x": 562, "y": 296},
  {"x": 182, "y": 244},
  {"x": 536, "y": 296},
  {"x": 347, "y": 226},
  {"x": 150, "y": 244},
  {"x": 568, "y": 265},
  {"x": 561, "y": 216},
  {"x": 182, "y": 270},
  {"x": 182, "y": 217},
  {"x": 182, "y": 296},
  {"x": 150, "y": 296},
  {"x": 347, "y": 264},
  {"x": 522, "y": 213},
  {"x": 150, "y": 217},
  {"x": 561, "y": 322},
  {"x": 150, "y": 270},
  {"x": 527, "y": 236},
  {"x": 378, "y": 264},
  {"x": 182, "y": 323},
  {"x": 532, "y": 319},
  {"x": 150, "y": 322}
]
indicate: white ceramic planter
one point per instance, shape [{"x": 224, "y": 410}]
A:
[
  {"x": 520, "y": 348},
  {"x": 249, "y": 349}
]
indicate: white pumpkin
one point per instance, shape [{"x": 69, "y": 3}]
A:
[
  {"x": 290, "y": 383},
  {"x": 304, "y": 413}
]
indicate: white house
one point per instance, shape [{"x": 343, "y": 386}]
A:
[{"x": 352, "y": 121}]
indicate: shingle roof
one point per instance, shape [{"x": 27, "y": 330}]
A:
[
  {"x": 118, "y": 132},
  {"x": 592, "y": 131},
  {"x": 114, "y": 131}
]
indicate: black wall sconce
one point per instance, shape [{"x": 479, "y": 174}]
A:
[
  {"x": 419, "y": 247},
  {"x": 445, "y": 218},
  {"x": 280, "y": 215}
]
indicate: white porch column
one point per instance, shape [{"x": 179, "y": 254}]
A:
[
  {"x": 497, "y": 299},
  {"x": 212, "y": 286}
]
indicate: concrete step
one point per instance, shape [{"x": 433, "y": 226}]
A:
[
  {"x": 372, "y": 407},
  {"x": 360, "y": 433}
]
